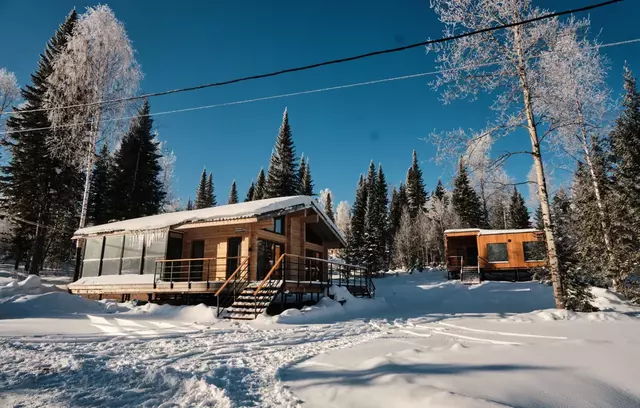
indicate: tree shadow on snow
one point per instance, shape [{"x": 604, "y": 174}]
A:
[{"x": 314, "y": 377}]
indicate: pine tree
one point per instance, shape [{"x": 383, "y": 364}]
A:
[
  {"x": 538, "y": 218},
  {"x": 356, "y": 244},
  {"x": 189, "y": 205},
  {"x": 306, "y": 186},
  {"x": 576, "y": 292},
  {"x": 416, "y": 193},
  {"x": 201, "y": 192},
  {"x": 259, "y": 192},
  {"x": 518, "y": 212},
  {"x": 34, "y": 186},
  {"x": 328, "y": 208},
  {"x": 251, "y": 192},
  {"x": 233, "y": 194},
  {"x": 137, "y": 190},
  {"x": 465, "y": 200},
  {"x": 100, "y": 202},
  {"x": 210, "y": 193},
  {"x": 282, "y": 177}
]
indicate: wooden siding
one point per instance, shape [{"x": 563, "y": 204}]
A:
[
  {"x": 215, "y": 245},
  {"x": 514, "y": 248}
]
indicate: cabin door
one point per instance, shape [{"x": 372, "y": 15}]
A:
[
  {"x": 197, "y": 253},
  {"x": 234, "y": 250}
]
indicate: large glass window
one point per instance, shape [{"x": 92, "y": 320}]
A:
[
  {"x": 132, "y": 255},
  {"x": 497, "y": 252},
  {"x": 155, "y": 250},
  {"x": 92, "y": 253},
  {"x": 112, "y": 255},
  {"x": 534, "y": 251}
]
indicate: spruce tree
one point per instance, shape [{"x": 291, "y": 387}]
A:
[
  {"x": 34, "y": 186},
  {"x": 100, "y": 201},
  {"x": 189, "y": 204},
  {"x": 251, "y": 192},
  {"x": 586, "y": 224},
  {"x": 138, "y": 191},
  {"x": 259, "y": 192},
  {"x": 576, "y": 291},
  {"x": 201, "y": 192},
  {"x": 356, "y": 244},
  {"x": 537, "y": 216},
  {"x": 233, "y": 194},
  {"x": 518, "y": 212},
  {"x": 306, "y": 186},
  {"x": 282, "y": 176},
  {"x": 499, "y": 216},
  {"x": 416, "y": 193},
  {"x": 440, "y": 192},
  {"x": 382, "y": 190},
  {"x": 210, "y": 193},
  {"x": 302, "y": 170},
  {"x": 328, "y": 208},
  {"x": 465, "y": 200},
  {"x": 624, "y": 201}
]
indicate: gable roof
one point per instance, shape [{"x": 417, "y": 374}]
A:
[{"x": 251, "y": 209}]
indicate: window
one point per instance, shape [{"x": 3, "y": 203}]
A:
[
  {"x": 534, "y": 251},
  {"x": 112, "y": 255},
  {"x": 278, "y": 226},
  {"x": 132, "y": 255},
  {"x": 92, "y": 254},
  {"x": 497, "y": 252},
  {"x": 155, "y": 250}
]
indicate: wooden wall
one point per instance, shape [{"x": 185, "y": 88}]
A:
[
  {"x": 514, "y": 247},
  {"x": 215, "y": 244}
]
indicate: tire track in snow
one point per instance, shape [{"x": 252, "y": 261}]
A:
[{"x": 226, "y": 368}]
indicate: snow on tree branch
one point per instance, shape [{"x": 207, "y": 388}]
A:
[{"x": 9, "y": 90}]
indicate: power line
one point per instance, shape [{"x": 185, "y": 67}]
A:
[
  {"x": 307, "y": 92},
  {"x": 332, "y": 62}
]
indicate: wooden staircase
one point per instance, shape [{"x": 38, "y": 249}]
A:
[
  {"x": 470, "y": 275},
  {"x": 253, "y": 301}
]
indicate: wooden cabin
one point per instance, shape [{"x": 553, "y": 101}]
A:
[
  {"x": 475, "y": 254},
  {"x": 240, "y": 255}
]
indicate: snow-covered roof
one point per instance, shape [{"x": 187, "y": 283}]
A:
[
  {"x": 221, "y": 213},
  {"x": 492, "y": 231}
]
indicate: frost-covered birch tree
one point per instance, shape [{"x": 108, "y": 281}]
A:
[
  {"x": 9, "y": 92},
  {"x": 575, "y": 99},
  {"x": 343, "y": 217},
  {"x": 500, "y": 63},
  {"x": 97, "y": 64},
  {"x": 167, "y": 161}
]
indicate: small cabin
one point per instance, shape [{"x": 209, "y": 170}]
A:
[
  {"x": 477, "y": 254},
  {"x": 240, "y": 254}
]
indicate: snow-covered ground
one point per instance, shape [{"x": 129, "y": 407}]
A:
[{"x": 422, "y": 341}]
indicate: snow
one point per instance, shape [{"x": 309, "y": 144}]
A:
[
  {"x": 423, "y": 341},
  {"x": 492, "y": 231},
  {"x": 220, "y": 213}
]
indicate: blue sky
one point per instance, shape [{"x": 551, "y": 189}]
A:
[{"x": 192, "y": 42}]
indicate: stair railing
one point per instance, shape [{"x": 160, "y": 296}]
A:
[{"x": 234, "y": 285}]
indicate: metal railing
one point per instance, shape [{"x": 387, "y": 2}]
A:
[
  {"x": 233, "y": 287},
  {"x": 191, "y": 270}
]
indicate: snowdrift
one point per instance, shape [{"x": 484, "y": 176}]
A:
[
  {"x": 32, "y": 298},
  {"x": 196, "y": 314}
]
